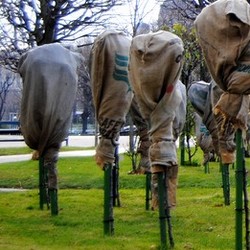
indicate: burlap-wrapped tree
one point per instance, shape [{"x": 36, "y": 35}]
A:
[
  {"x": 50, "y": 75},
  {"x": 155, "y": 67},
  {"x": 223, "y": 31},
  {"x": 112, "y": 96}
]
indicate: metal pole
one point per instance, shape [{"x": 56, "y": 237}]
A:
[
  {"x": 108, "y": 201},
  {"x": 239, "y": 190}
]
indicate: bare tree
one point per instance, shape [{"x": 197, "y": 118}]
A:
[
  {"x": 138, "y": 12},
  {"x": 27, "y": 23},
  {"x": 84, "y": 93},
  {"x": 185, "y": 11},
  {"x": 7, "y": 80},
  {"x": 136, "y": 19}
]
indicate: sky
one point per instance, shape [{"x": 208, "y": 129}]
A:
[{"x": 149, "y": 11}]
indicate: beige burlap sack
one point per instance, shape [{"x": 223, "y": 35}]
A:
[
  {"x": 112, "y": 94},
  {"x": 154, "y": 70},
  {"x": 201, "y": 95},
  {"x": 50, "y": 76},
  {"x": 223, "y": 31},
  {"x": 155, "y": 67},
  {"x": 144, "y": 142}
]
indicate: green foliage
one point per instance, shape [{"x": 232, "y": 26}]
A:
[{"x": 192, "y": 51}]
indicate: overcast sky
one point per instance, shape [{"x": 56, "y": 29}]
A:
[{"x": 148, "y": 10}]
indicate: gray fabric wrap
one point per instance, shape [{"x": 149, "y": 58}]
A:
[
  {"x": 201, "y": 95},
  {"x": 49, "y": 75}
]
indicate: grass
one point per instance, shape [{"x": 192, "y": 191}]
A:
[{"x": 200, "y": 221}]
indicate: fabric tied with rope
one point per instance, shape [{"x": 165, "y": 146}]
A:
[{"x": 223, "y": 31}]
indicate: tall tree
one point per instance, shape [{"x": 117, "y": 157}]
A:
[
  {"x": 182, "y": 11},
  {"x": 7, "y": 80},
  {"x": 27, "y": 23}
]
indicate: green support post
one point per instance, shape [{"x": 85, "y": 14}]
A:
[
  {"x": 239, "y": 174},
  {"x": 53, "y": 201},
  {"x": 108, "y": 221},
  {"x": 115, "y": 180},
  {"x": 162, "y": 212},
  {"x": 46, "y": 196},
  {"x": 148, "y": 190},
  {"x": 182, "y": 147},
  {"x": 206, "y": 168},
  {"x": 225, "y": 183}
]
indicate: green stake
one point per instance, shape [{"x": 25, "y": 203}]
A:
[
  {"x": 148, "y": 189},
  {"x": 108, "y": 221},
  {"x": 53, "y": 201},
  {"x": 225, "y": 183},
  {"x": 182, "y": 147},
  {"x": 239, "y": 189},
  {"x": 206, "y": 168}
]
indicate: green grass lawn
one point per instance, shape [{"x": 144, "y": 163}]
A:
[{"x": 200, "y": 220}]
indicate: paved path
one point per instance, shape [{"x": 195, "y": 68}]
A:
[{"x": 74, "y": 141}]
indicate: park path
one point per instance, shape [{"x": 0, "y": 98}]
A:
[{"x": 74, "y": 141}]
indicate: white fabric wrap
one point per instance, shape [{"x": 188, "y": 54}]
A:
[
  {"x": 49, "y": 75},
  {"x": 155, "y": 67}
]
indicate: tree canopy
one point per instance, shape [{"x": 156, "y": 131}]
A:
[{"x": 27, "y": 23}]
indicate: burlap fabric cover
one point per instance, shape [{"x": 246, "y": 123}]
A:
[
  {"x": 155, "y": 67},
  {"x": 172, "y": 171},
  {"x": 49, "y": 75},
  {"x": 200, "y": 96},
  {"x": 223, "y": 30},
  {"x": 142, "y": 132},
  {"x": 111, "y": 90}
]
